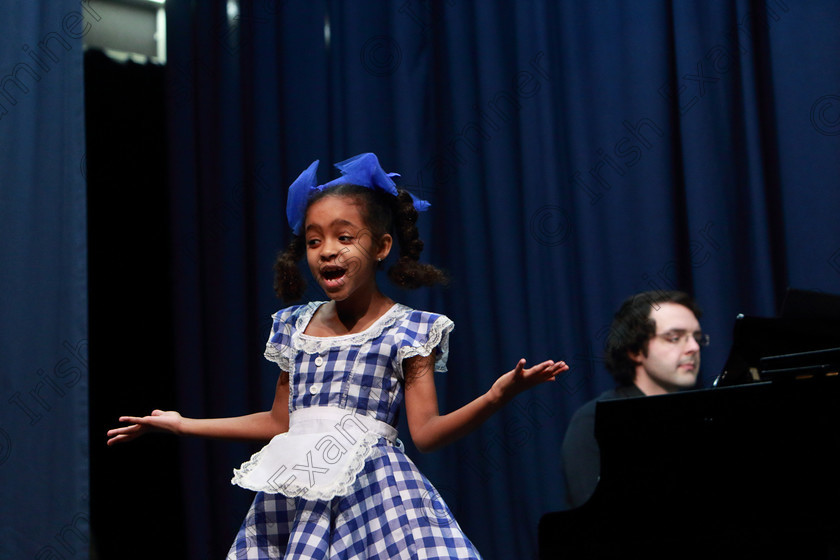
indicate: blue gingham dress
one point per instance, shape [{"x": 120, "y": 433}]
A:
[{"x": 392, "y": 510}]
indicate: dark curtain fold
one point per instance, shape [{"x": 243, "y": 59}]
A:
[
  {"x": 574, "y": 153},
  {"x": 44, "y": 466},
  {"x": 132, "y": 354}
]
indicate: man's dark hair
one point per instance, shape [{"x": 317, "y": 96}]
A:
[{"x": 632, "y": 328}]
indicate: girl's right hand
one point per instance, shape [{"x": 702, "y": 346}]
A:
[{"x": 158, "y": 421}]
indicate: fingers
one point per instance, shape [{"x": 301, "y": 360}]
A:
[
  {"x": 141, "y": 419},
  {"x": 137, "y": 426},
  {"x": 125, "y": 429},
  {"x": 556, "y": 370},
  {"x": 121, "y": 434},
  {"x": 548, "y": 364},
  {"x": 559, "y": 367},
  {"x": 117, "y": 439},
  {"x": 547, "y": 370},
  {"x": 126, "y": 432}
]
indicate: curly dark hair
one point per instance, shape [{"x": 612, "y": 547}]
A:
[
  {"x": 383, "y": 213},
  {"x": 632, "y": 328}
]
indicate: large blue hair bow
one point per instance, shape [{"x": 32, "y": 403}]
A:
[{"x": 363, "y": 170}]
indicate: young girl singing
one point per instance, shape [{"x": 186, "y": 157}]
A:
[{"x": 334, "y": 481}]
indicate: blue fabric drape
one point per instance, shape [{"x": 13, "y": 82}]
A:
[
  {"x": 574, "y": 153},
  {"x": 44, "y": 495}
]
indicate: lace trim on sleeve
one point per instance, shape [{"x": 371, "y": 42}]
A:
[
  {"x": 274, "y": 354},
  {"x": 273, "y": 350},
  {"x": 438, "y": 337}
]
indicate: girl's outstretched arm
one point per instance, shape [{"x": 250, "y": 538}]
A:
[
  {"x": 430, "y": 431},
  {"x": 261, "y": 426}
]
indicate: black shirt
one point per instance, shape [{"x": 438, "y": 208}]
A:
[{"x": 581, "y": 456}]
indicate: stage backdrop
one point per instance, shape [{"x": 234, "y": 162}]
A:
[
  {"x": 573, "y": 153},
  {"x": 44, "y": 493}
]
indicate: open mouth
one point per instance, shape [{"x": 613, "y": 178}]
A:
[{"x": 333, "y": 276}]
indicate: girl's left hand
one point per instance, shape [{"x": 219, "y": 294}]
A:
[{"x": 519, "y": 379}]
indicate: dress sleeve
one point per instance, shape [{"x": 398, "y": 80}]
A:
[
  {"x": 278, "y": 348},
  {"x": 421, "y": 334}
]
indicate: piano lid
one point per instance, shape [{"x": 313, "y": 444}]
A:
[{"x": 807, "y": 322}]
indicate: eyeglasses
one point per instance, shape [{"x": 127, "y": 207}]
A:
[{"x": 681, "y": 337}]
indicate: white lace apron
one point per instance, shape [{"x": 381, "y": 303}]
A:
[{"x": 319, "y": 457}]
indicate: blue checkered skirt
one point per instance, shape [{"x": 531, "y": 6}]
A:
[{"x": 392, "y": 512}]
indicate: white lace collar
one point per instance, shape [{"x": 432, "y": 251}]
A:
[{"x": 318, "y": 344}]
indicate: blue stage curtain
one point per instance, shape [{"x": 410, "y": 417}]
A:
[
  {"x": 574, "y": 153},
  {"x": 44, "y": 494}
]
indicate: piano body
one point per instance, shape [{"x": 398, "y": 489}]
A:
[{"x": 747, "y": 469}]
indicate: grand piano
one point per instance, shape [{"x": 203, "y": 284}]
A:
[{"x": 749, "y": 468}]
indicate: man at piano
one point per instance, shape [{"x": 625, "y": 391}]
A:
[{"x": 653, "y": 348}]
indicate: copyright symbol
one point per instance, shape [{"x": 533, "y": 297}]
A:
[
  {"x": 381, "y": 55},
  {"x": 550, "y": 226},
  {"x": 5, "y": 446},
  {"x": 436, "y": 511},
  {"x": 825, "y": 115},
  {"x": 834, "y": 260}
]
